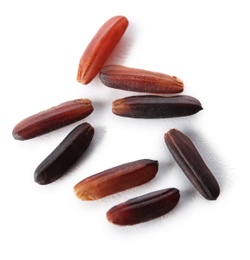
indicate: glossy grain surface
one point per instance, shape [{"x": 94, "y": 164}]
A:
[
  {"x": 52, "y": 119},
  {"x": 100, "y": 47},
  {"x": 152, "y": 106},
  {"x": 144, "y": 208},
  {"x": 65, "y": 155},
  {"x": 116, "y": 179},
  {"x": 192, "y": 164},
  {"x": 139, "y": 80}
]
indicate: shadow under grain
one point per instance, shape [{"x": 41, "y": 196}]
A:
[{"x": 121, "y": 50}]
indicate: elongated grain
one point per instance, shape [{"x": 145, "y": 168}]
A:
[
  {"x": 139, "y": 80},
  {"x": 144, "y": 208},
  {"x": 65, "y": 155},
  {"x": 116, "y": 179},
  {"x": 100, "y": 47},
  {"x": 192, "y": 164},
  {"x": 52, "y": 119},
  {"x": 152, "y": 106}
]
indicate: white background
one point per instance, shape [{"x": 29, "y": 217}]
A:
[{"x": 206, "y": 44}]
